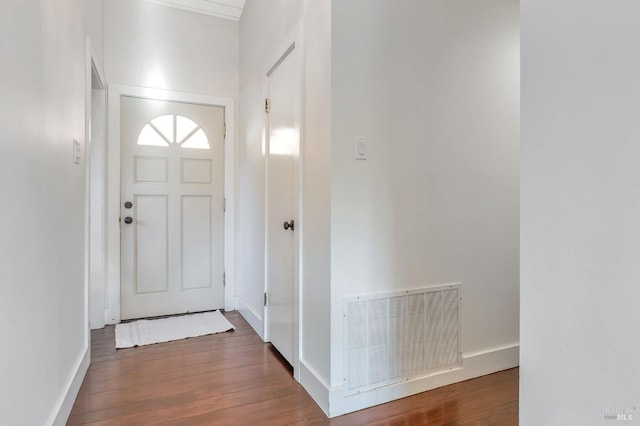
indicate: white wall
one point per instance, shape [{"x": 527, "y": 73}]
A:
[
  {"x": 316, "y": 208},
  {"x": 166, "y": 48},
  {"x": 94, "y": 26},
  {"x": 42, "y": 309},
  {"x": 263, "y": 28},
  {"x": 434, "y": 86},
  {"x": 580, "y": 230}
]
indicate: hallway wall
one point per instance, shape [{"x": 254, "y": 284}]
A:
[
  {"x": 94, "y": 27},
  {"x": 42, "y": 295},
  {"x": 156, "y": 46},
  {"x": 434, "y": 87},
  {"x": 580, "y": 231},
  {"x": 263, "y": 28}
]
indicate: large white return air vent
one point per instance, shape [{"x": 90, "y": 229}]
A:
[{"x": 395, "y": 337}]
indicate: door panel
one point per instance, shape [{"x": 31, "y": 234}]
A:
[
  {"x": 283, "y": 153},
  {"x": 151, "y": 244},
  {"x": 196, "y": 241},
  {"x": 196, "y": 171},
  {"x": 172, "y": 172},
  {"x": 151, "y": 169}
]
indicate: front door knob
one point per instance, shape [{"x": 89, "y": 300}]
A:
[{"x": 288, "y": 225}]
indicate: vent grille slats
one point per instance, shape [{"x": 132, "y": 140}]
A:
[{"x": 394, "y": 337}]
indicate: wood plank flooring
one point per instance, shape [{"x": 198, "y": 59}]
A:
[{"x": 235, "y": 379}]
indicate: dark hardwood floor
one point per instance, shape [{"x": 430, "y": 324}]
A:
[{"x": 235, "y": 379}]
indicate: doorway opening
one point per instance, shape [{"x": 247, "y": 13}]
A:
[
  {"x": 170, "y": 203},
  {"x": 171, "y": 208}
]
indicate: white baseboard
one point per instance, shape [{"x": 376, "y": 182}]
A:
[
  {"x": 254, "y": 320},
  {"x": 474, "y": 365},
  {"x": 61, "y": 412},
  {"x": 315, "y": 386}
]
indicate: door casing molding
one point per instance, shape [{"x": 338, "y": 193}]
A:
[
  {"x": 95, "y": 169},
  {"x": 115, "y": 92}
]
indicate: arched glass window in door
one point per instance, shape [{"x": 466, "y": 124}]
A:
[{"x": 173, "y": 129}]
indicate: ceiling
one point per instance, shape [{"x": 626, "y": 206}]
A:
[{"x": 227, "y": 9}]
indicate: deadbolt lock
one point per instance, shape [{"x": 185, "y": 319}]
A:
[{"x": 288, "y": 225}]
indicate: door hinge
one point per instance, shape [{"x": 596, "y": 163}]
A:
[
  {"x": 267, "y": 105},
  {"x": 224, "y": 279},
  {"x": 224, "y": 205},
  {"x": 266, "y": 299},
  {"x": 225, "y": 130}
]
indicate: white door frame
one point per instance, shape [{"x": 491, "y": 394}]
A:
[
  {"x": 293, "y": 41},
  {"x": 116, "y": 91},
  {"x": 95, "y": 159}
]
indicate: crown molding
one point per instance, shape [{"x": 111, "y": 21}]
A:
[{"x": 226, "y": 9}]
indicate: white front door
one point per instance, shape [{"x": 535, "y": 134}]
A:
[
  {"x": 282, "y": 221},
  {"x": 172, "y": 207}
]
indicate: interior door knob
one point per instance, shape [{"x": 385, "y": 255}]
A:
[
  {"x": 128, "y": 220},
  {"x": 288, "y": 225}
]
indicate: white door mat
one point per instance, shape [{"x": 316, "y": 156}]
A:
[{"x": 148, "y": 332}]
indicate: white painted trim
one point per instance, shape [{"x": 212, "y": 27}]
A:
[
  {"x": 474, "y": 365},
  {"x": 115, "y": 92},
  {"x": 294, "y": 41},
  {"x": 317, "y": 388},
  {"x": 93, "y": 66},
  {"x": 88, "y": 74},
  {"x": 112, "y": 305},
  {"x": 97, "y": 65},
  {"x": 251, "y": 317},
  {"x": 219, "y": 9},
  {"x": 298, "y": 34},
  {"x": 63, "y": 407},
  {"x": 230, "y": 207}
]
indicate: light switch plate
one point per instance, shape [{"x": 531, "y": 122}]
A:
[
  {"x": 76, "y": 152},
  {"x": 360, "y": 148}
]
